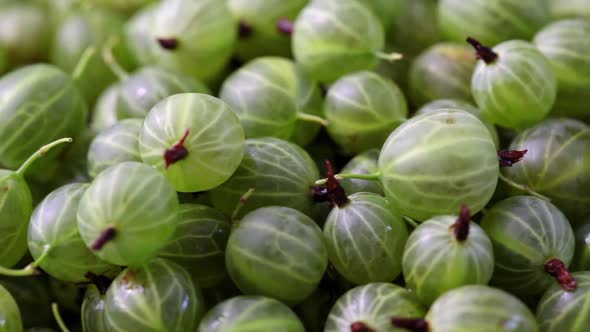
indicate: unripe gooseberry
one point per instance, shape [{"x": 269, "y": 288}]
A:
[
  {"x": 10, "y": 319},
  {"x": 104, "y": 114}
]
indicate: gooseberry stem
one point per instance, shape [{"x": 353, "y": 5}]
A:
[
  {"x": 389, "y": 57},
  {"x": 410, "y": 324},
  {"x": 411, "y": 221},
  {"x": 111, "y": 61},
  {"x": 523, "y": 187},
  {"x": 368, "y": 177},
  {"x": 360, "y": 327},
  {"x": 29, "y": 270},
  {"x": 40, "y": 153},
  {"x": 461, "y": 226},
  {"x": 58, "y": 319},
  {"x": 83, "y": 63},
  {"x": 312, "y": 118},
  {"x": 557, "y": 269},
  {"x": 234, "y": 216}
]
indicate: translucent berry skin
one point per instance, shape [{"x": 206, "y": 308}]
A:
[
  {"x": 215, "y": 140},
  {"x": 581, "y": 260},
  {"x": 491, "y": 22},
  {"x": 16, "y": 207},
  {"x": 158, "y": 296},
  {"x": 365, "y": 239},
  {"x": 560, "y": 310},
  {"x": 435, "y": 262},
  {"x": 557, "y": 164},
  {"x": 480, "y": 308},
  {"x": 139, "y": 203},
  {"x": 373, "y": 304},
  {"x": 362, "y": 163},
  {"x": 332, "y": 38},
  {"x": 362, "y": 109},
  {"x": 518, "y": 89},
  {"x": 104, "y": 114},
  {"x": 10, "y": 319},
  {"x": 137, "y": 35},
  {"x": 526, "y": 232},
  {"x": 248, "y": 313},
  {"x": 435, "y": 162},
  {"x": 92, "y": 312},
  {"x": 276, "y": 252},
  {"x": 565, "y": 44}
]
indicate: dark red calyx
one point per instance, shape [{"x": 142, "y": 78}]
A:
[
  {"x": 483, "y": 52},
  {"x": 245, "y": 30},
  {"x": 177, "y": 152},
  {"x": 101, "y": 282},
  {"x": 360, "y": 327},
  {"x": 508, "y": 158},
  {"x": 334, "y": 192},
  {"x": 557, "y": 269},
  {"x": 105, "y": 236},
  {"x": 410, "y": 324},
  {"x": 319, "y": 194},
  {"x": 285, "y": 26},
  {"x": 461, "y": 226},
  {"x": 169, "y": 44}
]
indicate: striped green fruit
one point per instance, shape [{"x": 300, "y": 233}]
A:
[
  {"x": 362, "y": 109},
  {"x": 198, "y": 244},
  {"x": 560, "y": 310},
  {"x": 16, "y": 207},
  {"x": 443, "y": 70},
  {"x": 362, "y": 163},
  {"x": 54, "y": 241},
  {"x": 177, "y": 24},
  {"x": 557, "y": 164},
  {"x": 581, "y": 260},
  {"x": 526, "y": 232},
  {"x": 137, "y": 35},
  {"x": 157, "y": 296},
  {"x": 373, "y": 304},
  {"x": 271, "y": 96},
  {"x": 365, "y": 239},
  {"x": 280, "y": 172},
  {"x": 10, "y": 319},
  {"x": 132, "y": 204},
  {"x": 332, "y": 38},
  {"x": 104, "y": 113},
  {"x": 206, "y": 127},
  {"x": 435, "y": 162},
  {"x": 92, "y": 312},
  {"x": 518, "y": 88},
  {"x": 250, "y": 314},
  {"x": 40, "y": 104},
  {"x": 436, "y": 261},
  {"x": 491, "y": 22},
  {"x": 566, "y": 44},
  {"x": 276, "y": 252},
  {"x": 482, "y": 309},
  {"x": 114, "y": 145}
]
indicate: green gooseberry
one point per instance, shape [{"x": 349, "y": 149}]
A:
[
  {"x": 370, "y": 306},
  {"x": 136, "y": 34},
  {"x": 92, "y": 311},
  {"x": 435, "y": 162},
  {"x": 40, "y": 104},
  {"x": 177, "y": 24},
  {"x": 569, "y": 8},
  {"x": 464, "y": 106},
  {"x": 128, "y": 213},
  {"x": 260, "y": 26},
  {"x": 491, "y": 21},
  {"x": 192, "y": 133},
  {"x": 362, "y": 109},
  {"x": 557, "y": 164},
  {"x": 561, "y": 310},
  {"x": 280, "y": 172},
  {"x": 277, "y": 252},
  {"x": 104, "y": 114},
  {"x": 443, "y": 70},
  {"x": 114, "y": 145},
  {"x": 514, "y": 84},
  {"x": 198, "y": 243},
  {"x": 249, "y": 313},
  {"x": 403, "y": 32},
  {"x": 10, "y": 318},
  {"x": 362, "y": 163},
  {"x": 332, "y": 38},
  {"x": 32, "y": 297},
  {"x": 529, "y": 236},
  {"x": 444, "y": 253},
  {"x": 581, "y": 260},
  {"x": 274, "y": 98},
  {"x": 566, "y": 44},
  {"x": 157, "y": 296}
]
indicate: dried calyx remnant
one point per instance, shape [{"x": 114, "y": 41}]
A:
[
  {"x": 508, "y": 158},
  {"x": 410, "y": 324},
  {"x": 168, "y": 43},
  {"x": 245, "y": 30},
  {"x": 105, "y": 236},
  {"x": 177, "y": 152},
  {"x": 331, "y": 191},
  {"x": 557, "y": 269},
  {"x": 101, "y": 282},
  {"x": 285, "y": 26},
  {"x": 461, "y": 226},
  {"x": 483, "y": 52},
  {"x": 360, "y": 327}
]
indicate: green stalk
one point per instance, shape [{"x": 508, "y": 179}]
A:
[
  {"x": 58, "y": 319},
  {"x": 40, "y": 153},
  {"x": 368, "y": 177},
  {"x": 523, "y": 187}
]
